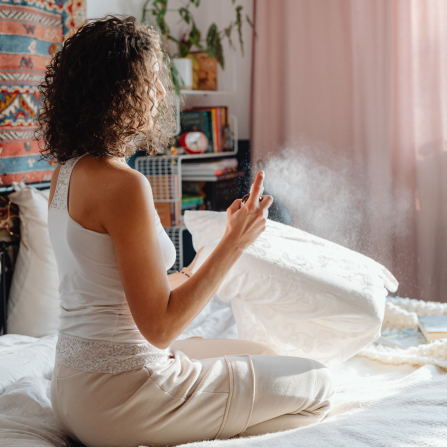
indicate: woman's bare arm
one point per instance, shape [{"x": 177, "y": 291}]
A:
[
  {"x": 161, "y": 315},
  {"x": 178, "y": 278}
]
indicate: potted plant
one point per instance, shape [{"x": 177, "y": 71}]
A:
[{"x": 201, "y": 55}]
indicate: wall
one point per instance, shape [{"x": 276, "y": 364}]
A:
[{"x": 221, "y": 12}]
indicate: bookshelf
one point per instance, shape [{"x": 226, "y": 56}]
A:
[
  {"x": 168, "y": 194},
  {"x": 165, "y": 175},
  {"x": 163, "y": 165}
]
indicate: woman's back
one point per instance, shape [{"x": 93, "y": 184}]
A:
[{"x": 93, "y": 302}]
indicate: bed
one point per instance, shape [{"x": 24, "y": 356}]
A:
[{"x": 390, "y": 402}]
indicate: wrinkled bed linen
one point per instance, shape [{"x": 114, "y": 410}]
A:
[
  {"x": 23, "y": 356},
  {"x": 26, "y": 416},
  {"x": 376, "y": 404}
]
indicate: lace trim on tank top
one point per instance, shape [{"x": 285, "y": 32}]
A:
[
  {"x": 59, "y": 201},
  {"x": 106, "y": 357}
]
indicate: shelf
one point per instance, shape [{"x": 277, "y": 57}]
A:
[
  {"x": 211, "y": 178},
  {"x": 226, "y": 81},
  {"x": 197, "y": 156},
  {"x": 206, "y": 92}
]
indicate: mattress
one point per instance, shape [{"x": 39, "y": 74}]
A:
[{"x": 376, "y": 403}]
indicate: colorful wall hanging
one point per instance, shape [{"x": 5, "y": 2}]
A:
[{"x": 31, "y": 31}]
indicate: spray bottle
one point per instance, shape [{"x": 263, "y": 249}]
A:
[{"x": 246, "y": 197}]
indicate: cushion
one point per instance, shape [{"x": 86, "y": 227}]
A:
[
  {"x": 297, "y": 293},
  {"x": 34, "y": 296}
]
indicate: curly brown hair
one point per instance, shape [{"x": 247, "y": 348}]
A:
[{"x": 101, "y": 92}]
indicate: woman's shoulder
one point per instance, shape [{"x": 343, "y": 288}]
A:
[
  {"x": 118, "y": 194},
  {"x": 112, "y": 179},
  {"x": 99, "y": 185}
]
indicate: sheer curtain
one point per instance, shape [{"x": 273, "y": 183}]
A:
[{"x": 369, "y": 79}]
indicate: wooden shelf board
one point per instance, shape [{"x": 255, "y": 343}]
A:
[{"x": 206, "y": 92}]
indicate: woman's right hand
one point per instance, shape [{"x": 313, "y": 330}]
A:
[{"x": 245, "y": 224}]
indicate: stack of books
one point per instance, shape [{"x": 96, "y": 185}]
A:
[
  {"x": 213, "y": 122},
  {"x": 191, "y": 202},
  {"x": 210, "y": 171},
  {"x": 217, "y": 182}
]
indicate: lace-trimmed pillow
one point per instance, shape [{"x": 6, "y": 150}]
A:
[{"x": 297, "y": 293}]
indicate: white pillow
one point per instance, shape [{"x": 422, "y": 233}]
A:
[
  {"x": 34, "y": 297},
  {"x": 297, "y": 293}
]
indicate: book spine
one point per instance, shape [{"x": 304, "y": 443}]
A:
[
  {"x": 222, "y": 130},
  {"x": 210, "y": 130},
  {"x": 215, "y": 132},
  {"x": 207, "y": 133},
  {"x": 219, "y": 135},
  {"x": 227, "y": 131}
]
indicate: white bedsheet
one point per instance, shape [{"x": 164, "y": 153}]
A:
[
  {"x": 22, "y": 356},
  {"x": 376, "y": 404}
]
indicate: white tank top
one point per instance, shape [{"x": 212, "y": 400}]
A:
[{"x": 97, "y": 332}]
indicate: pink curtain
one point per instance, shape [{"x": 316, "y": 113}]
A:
[{"x": 361, "y": 84}]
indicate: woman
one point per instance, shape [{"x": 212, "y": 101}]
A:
[{"x": 121, "y": 379}]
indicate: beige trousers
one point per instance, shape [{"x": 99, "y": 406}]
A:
[{"x": 210, "y": 389}]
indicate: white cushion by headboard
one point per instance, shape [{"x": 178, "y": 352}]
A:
[{"x": 34, "y": 296}]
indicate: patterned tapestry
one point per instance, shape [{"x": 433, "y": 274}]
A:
[{"x": 31, "y": 31}]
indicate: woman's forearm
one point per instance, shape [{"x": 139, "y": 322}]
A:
[
  {"x": 177, "y": 279},
  {"x": 243, "y": 227},
  {"x": 187, "y": 300}
]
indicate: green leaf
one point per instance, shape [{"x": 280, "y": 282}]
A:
[
  {"x": 214, "y": 45},
  {"x": 171, "y": 37},
  {"x": 184, "y": 49},
  {"x": 184, "y": 14},
  {"x": 175, "y": 77},
  {"x": 239, "y": 27},
  {"x": 194, "y": 36},
  {"x": 251, "y": 24},
  {"x": 196, "y": 3},
  {"x": 161, "y": 4},
  {"x": 227, "y": 32},
  {"x": 211, "y": 40},
  {"x": 162, "y": 24},
  {"x": 143, "y": 20}
]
